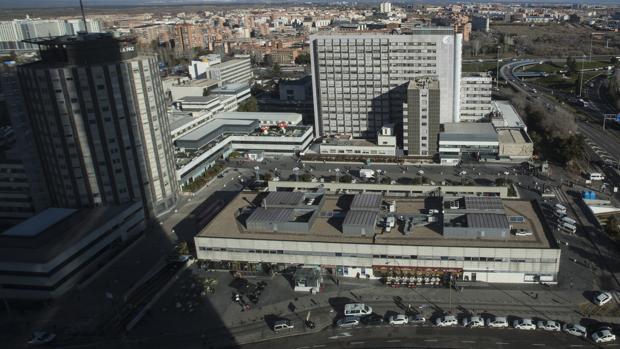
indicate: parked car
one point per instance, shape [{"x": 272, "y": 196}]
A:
[
  {"x": 522, "y": 232},
  {"x": 445, "y": 321},
  {"x": 399, "y": 319},
  {"x": 575, "y": 330},
  {"x": 549, "y": 325},
  {"x": 357, "y": 309},
  {"x": 348, "y": 321},
  {"x": 524, "y": 324},
  {"x": 283, "y": 325},
  {"x": 372, "y": 320},
  {"x": 497, "y": 322},
  {"x": 474, "y": 321},
  {"x": 40, "y": 338},
  {"x": 604, "y": 336},
  {"x": 417, "y": 319},
  {"x": 602, "y": 298}
]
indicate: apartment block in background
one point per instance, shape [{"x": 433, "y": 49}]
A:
[
  {"x": 475, "y": 96},
  {"x": 359, "y": 79}
]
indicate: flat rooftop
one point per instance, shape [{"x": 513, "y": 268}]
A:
[
  {"x": 469, "y": 132},
  {"x": 57, "y": 237},
  {"x": 512, "y": 136},
  {"x": 508, "y": 113},
  {"x": 198, "y": 99},
  {"x": 327, "y": 226}
]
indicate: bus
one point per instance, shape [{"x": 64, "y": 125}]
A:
[{"x": 567, "y": 227}]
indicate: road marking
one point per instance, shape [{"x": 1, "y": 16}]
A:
[
  {"x": 501, "y": 343},
  {"x": 342, "y": 335},
  {"x": 430, "y": 340},
  {"x": 538, "y": 345},
  {"x": 356, "y": 343},
  {"x": 468, "y": 341},
  {"x": 393, "y": 341}
]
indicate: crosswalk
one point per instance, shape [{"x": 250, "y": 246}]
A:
[
  {"x": 616, "y": 296},
  {"x": 602, "y": 153}
]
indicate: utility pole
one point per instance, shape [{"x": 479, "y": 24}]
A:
[
  {"x": 497, "y": 72},
  {"x": 591, "y": 38},
  {"x": 581, "y": 75}
]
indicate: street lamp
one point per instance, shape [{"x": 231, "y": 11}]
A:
[
  {"x": 497, "y": 72},
  {"x": 296, "y": 172},
  {"x": 337, "y": 170},
  {"x": 256, "y": 169},
  {"x": 581, "y": 75}
]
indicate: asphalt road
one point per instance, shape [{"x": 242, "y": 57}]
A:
[{"x": 428, "y": 337}]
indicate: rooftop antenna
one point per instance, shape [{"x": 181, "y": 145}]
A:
[{"x": 83, "y": 17}]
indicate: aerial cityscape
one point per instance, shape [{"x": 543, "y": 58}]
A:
[{"x": 316, "y": 174}]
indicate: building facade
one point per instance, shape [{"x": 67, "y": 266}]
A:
[
  {"x": 359, "y": 78},
  {"x": 421, "y": 117},
  {"x": 476, "y": 94},
  {"x": 99, "y": 122}
]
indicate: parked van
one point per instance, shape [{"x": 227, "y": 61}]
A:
[
  {"x": 567, "y": 219},
  {"x": 596, "y": 176},
  {"x": 357, "y": 309},
  {"x": 567, "y": 227},
  {"x": 560, "y": 208},
  {"x": 283, "y": 325}
]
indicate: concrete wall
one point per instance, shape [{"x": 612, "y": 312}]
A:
[{"x": 409, "y": 190}]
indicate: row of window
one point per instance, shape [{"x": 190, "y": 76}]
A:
[{"x": 383, "y": 256}]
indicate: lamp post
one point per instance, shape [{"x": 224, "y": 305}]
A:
[
  {"x": 337, "y": 170},
  {"x": 296, "y": 172},
  {"x": 581, "y": 75},
  {"x": 497, "y": 72},
  {"x": 256, "y": 169}
]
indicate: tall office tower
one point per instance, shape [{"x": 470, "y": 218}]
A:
[
  {"x": 421, "y": 116},
  {"x": 359, "y": 78},
  {"x": 99, "y": 122}
]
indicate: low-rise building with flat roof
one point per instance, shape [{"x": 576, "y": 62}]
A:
[
  {"x": 464, "y": 141},
  {"x": 48, "y": 254},
  {"x": 416, "y": 247}
]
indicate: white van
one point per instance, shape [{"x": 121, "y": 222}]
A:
[
  {"x": 567, "y": 227},
  {"x": 567, "y": 219},
  {"x": 595, "y": 176},
  {"x": 357, "y": 309}
]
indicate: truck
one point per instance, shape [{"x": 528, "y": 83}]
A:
[{"x": 367, "y": 173}]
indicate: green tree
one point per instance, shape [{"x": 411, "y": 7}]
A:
[
  {"x": 267, "y": 177},
  {"x": 571, "y": 63},
  {"x": 306, "y": 177},
  {"x": 346, "y": 179},
  {"x": 303, "y": 59},
  {"x": 277, "y": 70},
  {"x": 249, "y": 105}
]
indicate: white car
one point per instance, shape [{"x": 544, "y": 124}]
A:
[
  {"x": 399, "y": 319},
  {"x": 474, "y": 321},
  {"x": 604, "y": 336},
  {"x": 446, "y": 321},
  {"x": 497, "y": 322},
  {"x": 348, "y": 321},
  {"x": 522, "y": 232},
  {"x": 417, "y": 319},
  {"x": 524, "y": 324},
  {"x": 39, "y": 338},
  {"x": 549, "y": 325},
  {"x": 602, "y": 298},
  {"x": 575, "y": 330}
]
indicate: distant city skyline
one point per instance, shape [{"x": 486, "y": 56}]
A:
[{"x": 105, "y": 3}]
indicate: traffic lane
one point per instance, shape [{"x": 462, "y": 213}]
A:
[{"x": 427, "y": 337}]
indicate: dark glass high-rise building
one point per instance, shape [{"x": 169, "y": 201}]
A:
[{"x": 99, "y": 122}]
